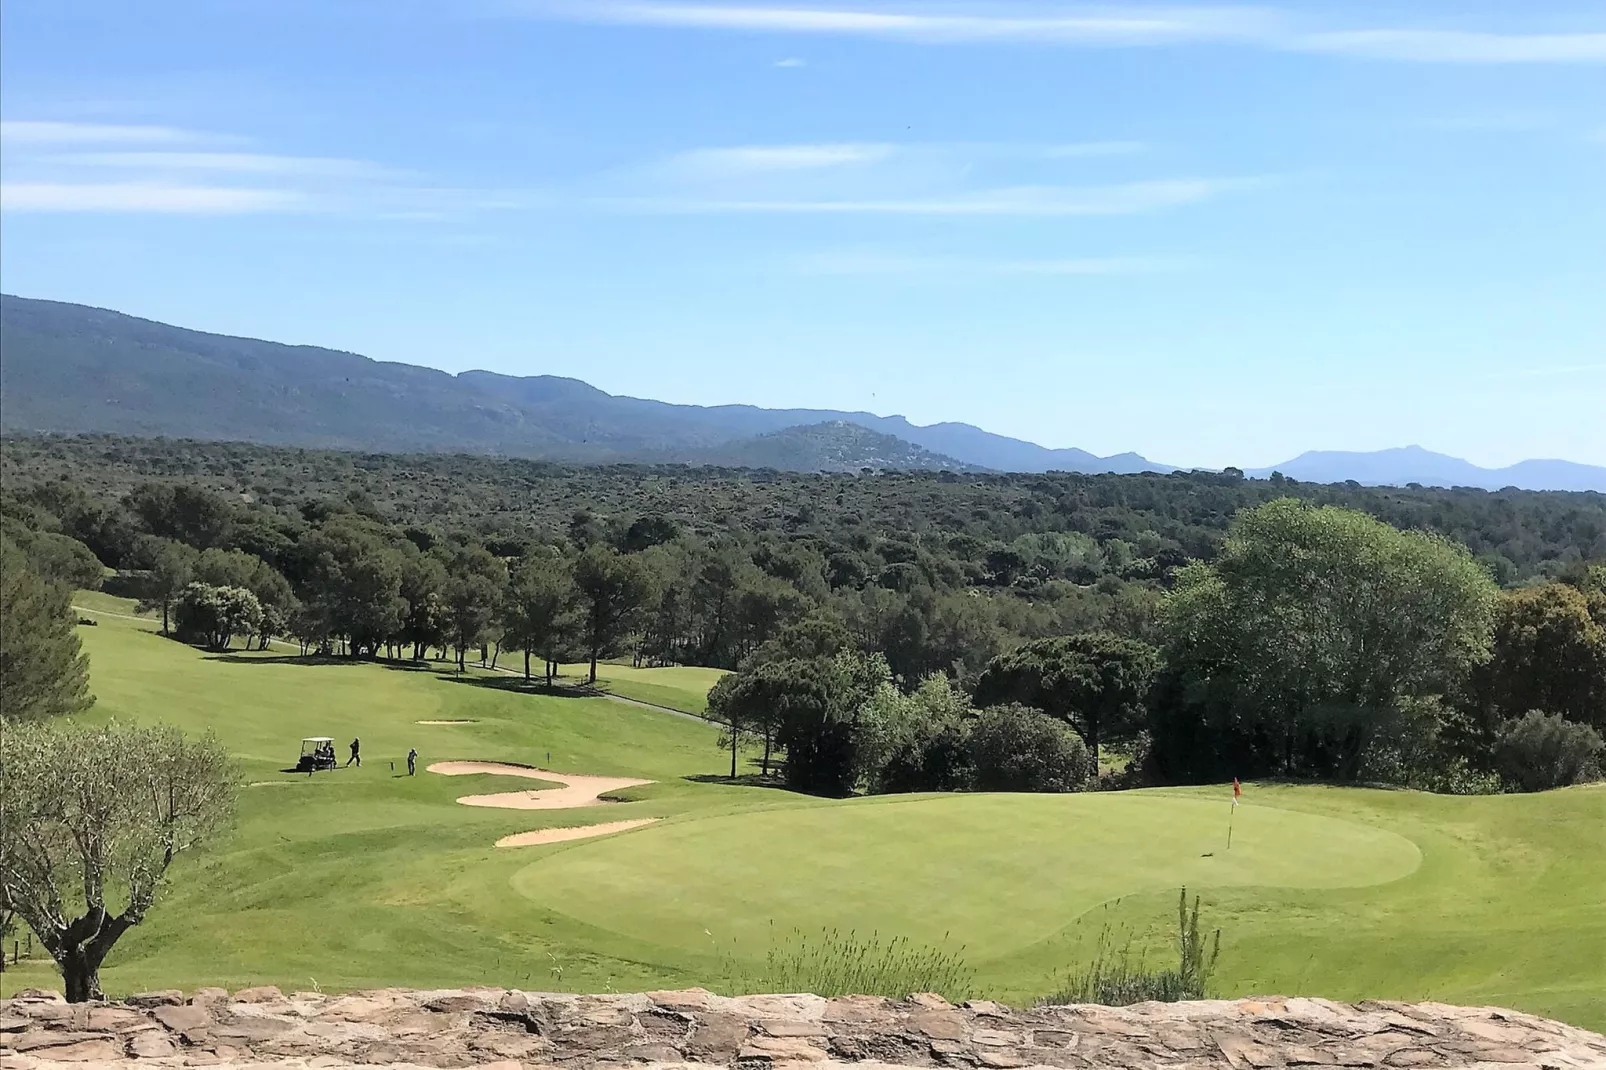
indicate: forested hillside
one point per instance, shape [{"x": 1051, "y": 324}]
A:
[{"x": 886, "y": 626}]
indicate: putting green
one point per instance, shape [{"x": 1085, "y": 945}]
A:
[{"x": 938, "y": 869}]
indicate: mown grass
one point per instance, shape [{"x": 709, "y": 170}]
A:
[{"x": 365, "y": 878}]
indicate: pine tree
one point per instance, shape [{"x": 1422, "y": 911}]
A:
[{"x": 43, "y": 669}]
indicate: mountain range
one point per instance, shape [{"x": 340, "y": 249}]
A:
[{"x": 75, "y": 369}]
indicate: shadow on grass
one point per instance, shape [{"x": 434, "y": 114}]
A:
[
  {"x": 518, "y": 685},
  {"x": 241, "y": 657},
  {"x": 745, "y": 780}
]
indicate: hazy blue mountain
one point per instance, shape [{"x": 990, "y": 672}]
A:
[
  {"x": 71, "y": 368},
  {"x": 833, "y": 446},
  {"x": 76, "y": 369},
  {"x": 1413, "y": 464}
]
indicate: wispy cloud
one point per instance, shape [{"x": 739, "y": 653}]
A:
[
  {"x": 914, "y": 179},
  {"x": 791, "y": 61},
  {"x": 1128, "y": 198},
  {"x": 35, "y": 132},
  {"x": 1118, "y": 26},
  {"x": 227, "y": 163},
  {"x": 1135, "y": 26},
  {"x": 1448, "y": 46},
  {"x": 88, "y": 167},
  {"x": 918, "y": 267},
  {"x": 769, "y": 159},
  {"x": 145, "y": 197}
]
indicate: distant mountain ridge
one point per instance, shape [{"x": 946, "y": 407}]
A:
[
  {"x": 1413, "y": 464},
  {"x": 75, "y": 369}
]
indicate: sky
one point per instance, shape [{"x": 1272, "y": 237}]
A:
[{"x": 1210, "y": 234}]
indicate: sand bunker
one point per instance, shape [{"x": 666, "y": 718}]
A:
[
  {"x": 540, "y": 836},
  {"x": 576, "y": 791},
  {"x": 446, "y": 722}
]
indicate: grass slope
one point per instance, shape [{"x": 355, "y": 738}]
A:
[{"x": 366, "y": 878}]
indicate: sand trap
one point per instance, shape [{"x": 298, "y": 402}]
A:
[
  {"x": 576, "y": 790},
  {"x": 540, "y": 836},
  {"x": 446, "y": 722}
]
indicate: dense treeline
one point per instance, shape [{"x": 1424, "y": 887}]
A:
[{"x": 896, "y": 631}]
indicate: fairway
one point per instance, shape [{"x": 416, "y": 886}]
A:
[{"x": 369, "y": 878}]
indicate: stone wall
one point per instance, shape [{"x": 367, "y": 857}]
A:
[{"x": 508, "y": 1030}]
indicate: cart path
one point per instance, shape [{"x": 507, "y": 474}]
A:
[{"x": 577, "y": 791}]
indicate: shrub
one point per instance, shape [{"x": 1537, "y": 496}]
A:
[
  {"x": 1118, "y": 977},
  {"x": 1016, "y": 748},
  {"x": 835, "y": 963},
  {"x": 1539, "y": 751}
]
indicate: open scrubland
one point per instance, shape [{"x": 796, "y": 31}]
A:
[{"x": 365, "y": 877}]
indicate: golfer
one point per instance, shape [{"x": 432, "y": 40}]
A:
[
  {"x": 355, "y": 756},
  {"x": 412, "y": 761}
]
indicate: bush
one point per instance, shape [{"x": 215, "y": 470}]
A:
[
  {"x": 835, "y": 963},
  {"x": 1117, "y": 978},
  {"x": 1016, "y": 748},
  {"x": 1540, "y": 751}
]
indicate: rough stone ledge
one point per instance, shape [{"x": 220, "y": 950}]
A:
[{"x": 695, "y": 1029}]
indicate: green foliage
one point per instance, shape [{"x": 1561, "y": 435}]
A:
[
  {"x": 611, "y": 591},
  {"x": 64, "y": 560},
  {"x": 535, "y": 610},
  {"x": 1549, "y": 654},
  {"x": 1017, "y": 748},
  {"x": 43, "y": 670},
  {"x": 1539, "y": 751},
  {"x": 213, "y": 616},
  {"x": 836, "y": 963},
  {"x": 1120, "y": 976},
  {"x": 1096, "y": 683},
  {"x": 1294, "y": 647},
  {"x": 91, "y": 813}
]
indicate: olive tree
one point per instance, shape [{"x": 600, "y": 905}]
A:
[{"x": 91, "y": 820}]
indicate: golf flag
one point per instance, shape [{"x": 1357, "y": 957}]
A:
[{"x": 1237, "y": 790}]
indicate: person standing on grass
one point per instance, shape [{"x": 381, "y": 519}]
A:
[
  {"x": 412, "y": 760},
  {"x": 355, "y": 756}
]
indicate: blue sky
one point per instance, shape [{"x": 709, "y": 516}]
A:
[{"x": 1214, "y": 235}]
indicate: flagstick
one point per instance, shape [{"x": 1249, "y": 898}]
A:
[{"x": 1230, "y": 815}]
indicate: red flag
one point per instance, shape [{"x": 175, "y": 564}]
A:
[{"x": 1237, "y": 789}]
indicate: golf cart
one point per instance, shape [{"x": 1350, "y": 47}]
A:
[{"x": 317, "y": 752}]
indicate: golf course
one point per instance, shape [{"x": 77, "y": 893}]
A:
[{"x": 368, "y": 877}]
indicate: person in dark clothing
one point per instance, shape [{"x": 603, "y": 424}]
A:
[
  {"x": 355, "y": 756},
  {"x": 412, "y": 760}
]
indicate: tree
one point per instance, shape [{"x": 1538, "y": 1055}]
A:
[
  {"x": 1549, "y": 654},
  {"x": 817, "y": 709},
  {"x": 91, "y": 813},
  {"x": 1095, "y": 682},
  {"x": 423, "y": 583},
  {"x": 1540, "y": 751},
  {"x": 474, "y": 583},
  {"x": 169, "y": 567},
  {"x": 213, "y": 616},
  {"x": 64, "y": 560},
  {"x": 610, "y": 590},
  {"x": 190, "y": 514},
  {"x": 733, "y": 703},
  {"x": 1017, "y": 748},
  {"x": 535, "y": 610},
  {"x": 43, "y": 669},
  {"x": 1304, "y": 636}
]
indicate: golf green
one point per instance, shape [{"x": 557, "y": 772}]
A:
[{"x": 995, "y": 873}]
